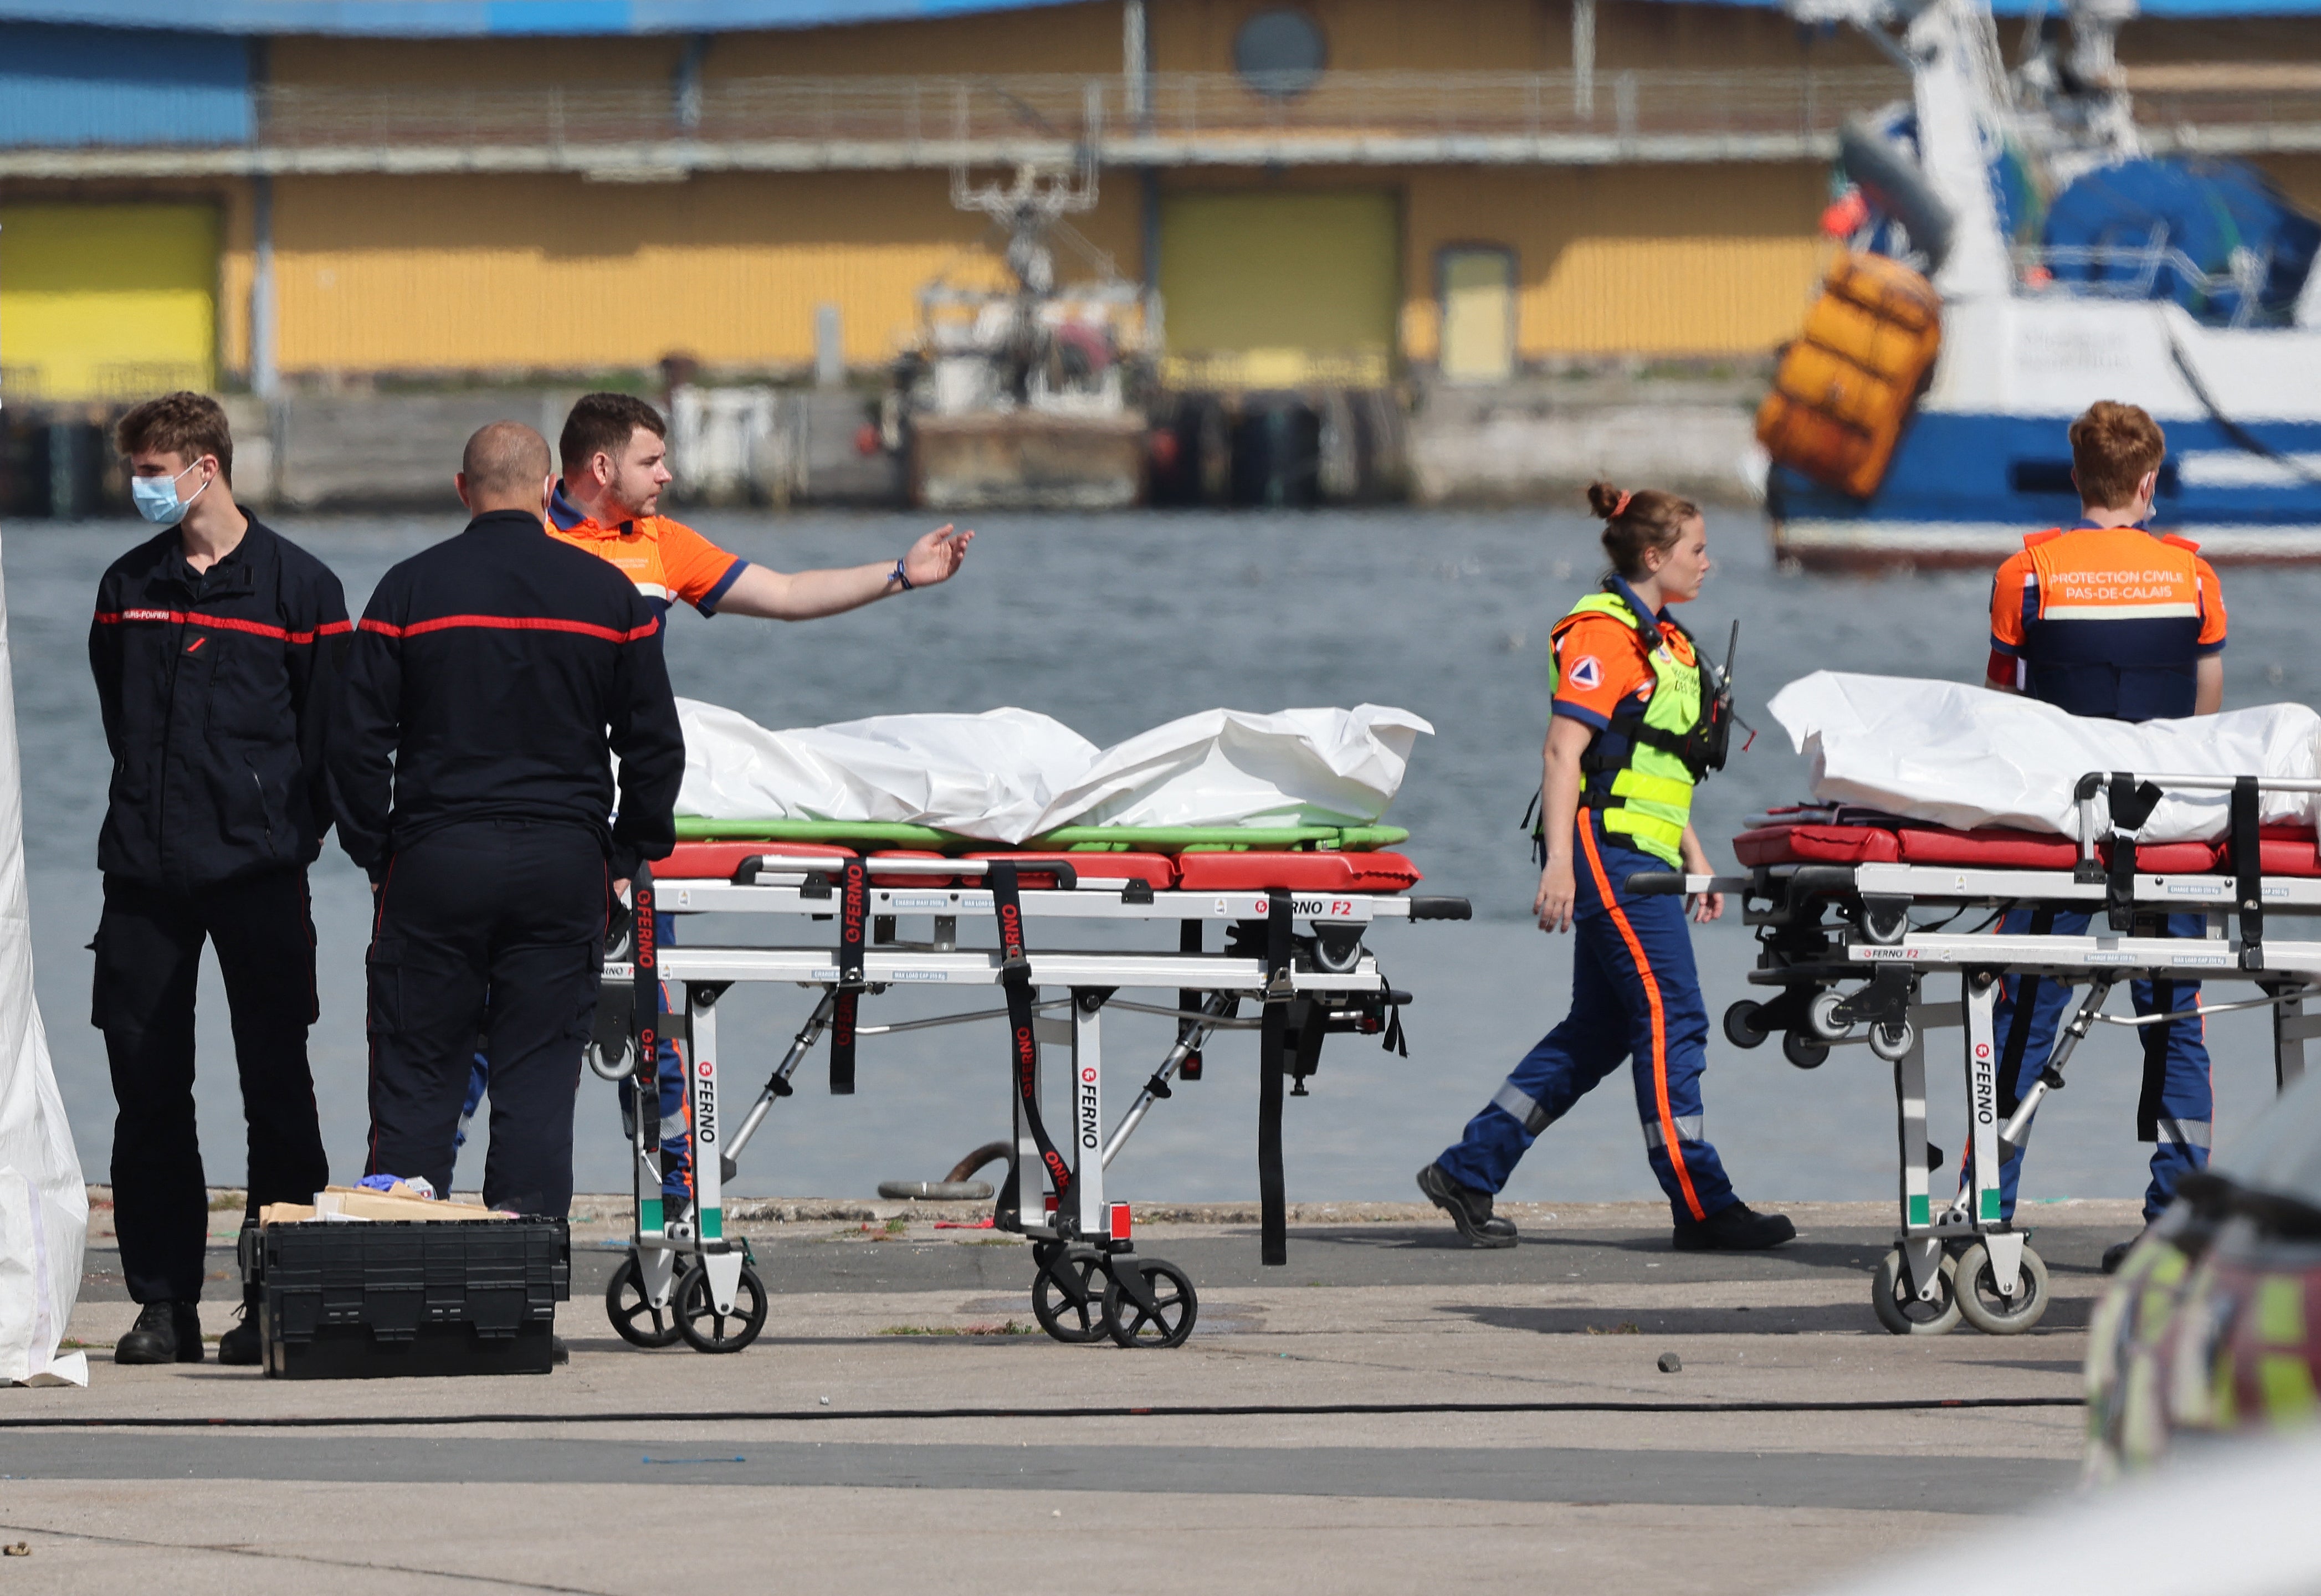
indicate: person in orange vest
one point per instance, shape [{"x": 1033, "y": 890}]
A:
[
  {"x": 615, "y": 455},
  {"x": 2106, "y": 618},
  {"x": 1629, "y": 735}
]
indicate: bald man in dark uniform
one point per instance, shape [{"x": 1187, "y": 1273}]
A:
[{"x": 491, "y": 680}]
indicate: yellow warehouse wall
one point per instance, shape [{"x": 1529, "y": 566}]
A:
[
  {"x": 1670, "y": 261},
  {"x": 464, "y": 274},
  {"x": 108, "y": 301},
  {"x": 540, "y": 273},
  {"x": 1649, "y": 260},
  {"x": 1281, "y": 288}
]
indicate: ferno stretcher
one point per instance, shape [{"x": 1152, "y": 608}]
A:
[
  {"x": 1293, "y": 906},
  {"x": 1854, "y": 911}
]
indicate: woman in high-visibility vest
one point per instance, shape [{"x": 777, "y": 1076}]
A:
[{"x": 1631, "y": 733}]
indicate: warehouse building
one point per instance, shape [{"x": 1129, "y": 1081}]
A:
[
  {"x": 1332, "y": 188},
  {"x": 301, "y": 197}
]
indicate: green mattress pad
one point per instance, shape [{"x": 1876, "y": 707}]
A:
[{"x": 1162, "y": 839}]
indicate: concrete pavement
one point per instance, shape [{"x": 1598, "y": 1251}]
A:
[{"x": 1390, "y": 1412}]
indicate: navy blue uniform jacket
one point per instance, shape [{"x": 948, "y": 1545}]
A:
[
  {"x": 216, "y": 689},
  {"x": 490, "y": 678}
]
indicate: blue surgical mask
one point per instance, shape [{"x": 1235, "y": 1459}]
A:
[{"x": 156, "y": 497}]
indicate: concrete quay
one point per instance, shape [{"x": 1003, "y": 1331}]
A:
[{"x": 1390, "y": 1412}]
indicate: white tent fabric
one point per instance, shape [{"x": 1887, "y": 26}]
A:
[
  {"x": 1964, "y": 757},
  {"x": 1008, "y": 774},
  {"x": 43, "y": 1203}
]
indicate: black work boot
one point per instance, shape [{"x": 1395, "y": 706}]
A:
[
  {"x": 164, "y": 1333},
  {"x": 1735, "y": 1229},
  {"x": 243, "y": 1347},
  {"x": 1468, "y": 1209},
  {"x": 2116, "y": 1253}
]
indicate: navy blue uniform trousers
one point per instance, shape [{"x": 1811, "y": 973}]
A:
[
  {"x": 149, "y": 957},
  {"x": 2176, "y": 1116},
  {"x": 508, "y": 911},
  {"x": 1635, "y": 998}
]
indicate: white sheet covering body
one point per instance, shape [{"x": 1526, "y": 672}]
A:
[
  {"x": 1008, "y": 774},
  {"x": 1960, "y": 756},
  {"x": 43, "y": 1203}
]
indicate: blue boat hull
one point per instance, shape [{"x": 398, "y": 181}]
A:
[{"x": 1963, "y": 489}]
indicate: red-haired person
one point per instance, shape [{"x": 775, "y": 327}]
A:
[
  {"x": 1626, "y": 743},
  {"x": 2105, "y": 619},
  {"x": 214, "y": 646}
]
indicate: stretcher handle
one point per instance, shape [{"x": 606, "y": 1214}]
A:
[
  {"x": 1441, "y": 908},
  {"x": 2093, "y": 783},
  {"x": 746, "y": 872},
  {"x": 1669, "y": 883}
]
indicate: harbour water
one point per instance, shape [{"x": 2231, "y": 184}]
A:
[{"x": 1115, "y": 625}]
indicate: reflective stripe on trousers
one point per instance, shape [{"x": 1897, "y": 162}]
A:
[
  {"x": 1635, "y": 1000},
  {"x": 1520, "y": 1105}
]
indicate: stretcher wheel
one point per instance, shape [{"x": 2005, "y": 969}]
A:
[
  {"x": 1893, "y": 1043},
  {"x": 1743, "y": 1026},
  {"x": 704, "y": 1328},
  {"x": 1898, "y": 1308},
  {"x": 613, "y": 1067},
  {"x": 635, "y": 1320},
  {"x": 1803, "y": 1051},
  {"x": 1821, "y": 1013},
  {"x": 1065, "y": 1298},
  {"x": 1337, "y": 949},
  {"x": 1174, "y": 1307},
  {"x": 1984, "y": 1309}
]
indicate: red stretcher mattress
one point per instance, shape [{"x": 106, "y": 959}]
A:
[
  {"x": 1252, "y": 871},
  {"x": 2287, "y": 851},
  {"x": 717, "y": 861}
]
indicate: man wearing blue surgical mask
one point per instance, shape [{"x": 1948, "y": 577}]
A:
[{"x": 214, "y": 647}]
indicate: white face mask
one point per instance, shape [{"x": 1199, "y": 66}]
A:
[{"x": 156, "y": 497}]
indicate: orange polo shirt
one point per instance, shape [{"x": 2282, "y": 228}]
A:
[{"x": 667, "y": 559}]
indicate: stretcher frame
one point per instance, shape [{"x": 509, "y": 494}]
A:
[
  {"x": 1325, "y": 979},
  {"x": 1862, "y": 981}
]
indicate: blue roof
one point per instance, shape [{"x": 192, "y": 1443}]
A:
[
  {"x": 449, "y": 19},
  {"x": 446, "y": 19}
]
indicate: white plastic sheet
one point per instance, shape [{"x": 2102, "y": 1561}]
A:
[
  {"x": 1961, "y": 756},
  {"x": 43, "y": 1203},
  {"x": 1008, "y": 774},
  {"x": 991, "y": 776}
]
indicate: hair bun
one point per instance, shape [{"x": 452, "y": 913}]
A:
[{"x": 1606, "y": 500}]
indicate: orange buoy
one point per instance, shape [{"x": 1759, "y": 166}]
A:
[{"x": 1846, "y": 387}]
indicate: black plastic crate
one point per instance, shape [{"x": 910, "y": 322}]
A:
[{"x": 365, "y": 1300}]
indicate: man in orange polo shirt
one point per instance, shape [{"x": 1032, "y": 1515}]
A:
[
  {"x": 2105, "y": 619},
  {"x": 615, "y": 455},
  {"x": 615, "y": 461}
]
